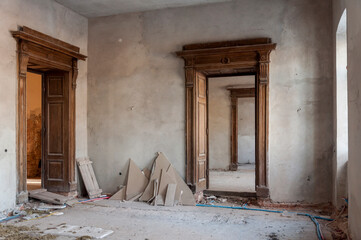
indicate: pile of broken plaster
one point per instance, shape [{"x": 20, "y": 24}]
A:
[{"x": 160, "y": 186}]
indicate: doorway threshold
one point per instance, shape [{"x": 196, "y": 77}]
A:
[{"x": 230, "y": 193}]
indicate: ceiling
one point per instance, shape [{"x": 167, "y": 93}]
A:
[{"x": 98, "y": 8}]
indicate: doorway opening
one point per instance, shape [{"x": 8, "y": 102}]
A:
[
  {"x": 223, "y": 59},
  {"x": 34, "y": 129},
  {"x": 50, "y": 65},
  {"x": 232, "y": 134}
]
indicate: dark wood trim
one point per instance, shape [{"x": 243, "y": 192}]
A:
[
  {"x": 230, "y": 194},
  {"x": 30, "y": 35},
  {"x": 242, "y": 92},
  {"x": 236, "y": 93},
  {"x": 254, "y": 41},
  {"x": 230, "y": 58},
  {"x": 45, "y": 52}
]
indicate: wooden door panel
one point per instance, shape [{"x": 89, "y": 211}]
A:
[
  {"x": 55, "y": 170},
  {"x": 202, "y": 129},
  {"x": 56, "y": 131},
  {"x": 201, "y": 132},
  {"x": 55, "y": 141},
  {"x": 55, "y": 86}
]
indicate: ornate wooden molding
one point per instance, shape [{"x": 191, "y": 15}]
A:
[
  {"x": 75, "y": 74},
  {"x": 41, "y": 52},
  {"x": 30, "y": 35},
  {"x": 250, "y": 56},
  {"x": 23, "y": 60},
  {"x": 242, "y": 92},
  {"x": 264, "y": 66}
]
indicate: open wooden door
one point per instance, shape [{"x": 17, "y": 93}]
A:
[
  {"x": 55, "y": 159},
  {"x": 201, "y": 132}
]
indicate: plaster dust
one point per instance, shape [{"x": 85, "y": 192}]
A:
[{"x": 135, "y": 220}]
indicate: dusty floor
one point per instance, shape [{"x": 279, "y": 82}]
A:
[
  {"x": 134, "y": 220},
  {"x": 242, "y": 180}
]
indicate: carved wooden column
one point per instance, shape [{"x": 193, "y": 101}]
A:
[
  {"x": 23, "y": 59},
  {"x": 72, "y": 142},
  {"x": 235, "y": 94},
  {"x": 262, "y": 188},
  {"x": 234, "y": 133},
  {"x": 190, "y": 121}
]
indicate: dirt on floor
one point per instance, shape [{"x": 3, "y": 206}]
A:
[
  {"x": 339, "y": 227},
  {"x": 134, "y": 220},
  {"x": 11, "y": 232}
]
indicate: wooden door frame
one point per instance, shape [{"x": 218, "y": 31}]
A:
[
  {"x": 235, "y": 94},
  {"x": 41, "y": 52},
  {"x": 251, "y": 56}
]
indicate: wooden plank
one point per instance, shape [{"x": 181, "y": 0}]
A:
[
  {"x": 49, "y": 197},
  {"x": 90, "y": 181},
  {"x": 169, "y": 198}
]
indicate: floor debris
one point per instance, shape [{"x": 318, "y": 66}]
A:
[
  {"x": 11, "y": 232},
  {"x": 49, "y": 197},
  {"x": 90, "y": 181},
  {"x": 339, "y": 227},
  {"x": 120, "y": 195},
  {"x": 78, "y": 231},
  {"x": 138, "y": 220},
  {"x": 136, "y": 182},
  {"x": 153, "y": 186}
]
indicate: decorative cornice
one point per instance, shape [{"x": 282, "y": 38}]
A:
[{"x": 31, "y": 36}]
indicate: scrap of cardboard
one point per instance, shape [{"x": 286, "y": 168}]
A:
[
  {"x": 146, "y": 172},
  {"x": 161, "y": 162},
  {"x": 165, "y": 179},
  {"x": 183, "y": 194},
  {"x": 137, "y": 181},
  {"x": 169, "y": 198},
  {"x": 120, "y": 195}
]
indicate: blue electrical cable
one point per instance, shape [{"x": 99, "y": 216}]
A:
[
  {"x": 10, "y": 218},
  {"x": 313, "y": 218}
]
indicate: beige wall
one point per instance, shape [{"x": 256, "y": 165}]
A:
[
  {"x": 137, "y": 94},
  {"x": 220, "y": 121},
  {"x": 57, "y": 21},
  {"x": 246, "y": 130},
  {"x": 354, "y": 103}
]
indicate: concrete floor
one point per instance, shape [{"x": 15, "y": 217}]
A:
[
  {"x": 134, "y": 220},
  {"x": 242, "y": 180}
]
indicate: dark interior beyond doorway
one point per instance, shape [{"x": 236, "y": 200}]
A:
[
  {"x": 223, "y": 176},
  {"x": 34, "y": 126}
]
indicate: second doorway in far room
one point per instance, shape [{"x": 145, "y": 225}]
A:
[{"x": 231, "y": 118}]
